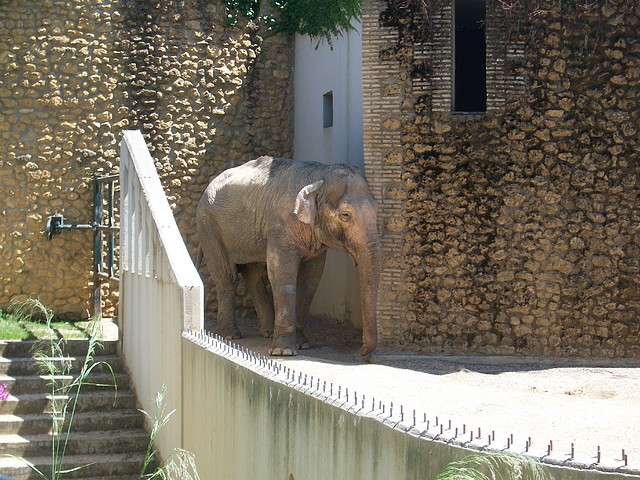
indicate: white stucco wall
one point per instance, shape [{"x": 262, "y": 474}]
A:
[
  {"x": 320, "y": 69},
  {"x": 244, "y": 417}
]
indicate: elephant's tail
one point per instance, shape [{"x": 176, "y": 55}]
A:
[{"x": 199, "y": 257}]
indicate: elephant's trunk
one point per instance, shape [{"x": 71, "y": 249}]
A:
[{"x": 369, "y": 266}]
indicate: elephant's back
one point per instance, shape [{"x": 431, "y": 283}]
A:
[
  {"x": 254, "y": 173},
  {"x": 265, "y": 180},
  {"x": 236, "y": 205}
]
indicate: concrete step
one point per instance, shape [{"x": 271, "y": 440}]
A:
[
  {"x": 21, "y": 366},
  {"x": 37, "y": 423},
  {"x": 107, "y": 432},
  {"x": 114, "y": 466},
  {"x": 14, "y": 348},
  {"x": 23, "y": 384},
  {"x": 103, "y": 399},
  {"x": 103, "y": 442}
]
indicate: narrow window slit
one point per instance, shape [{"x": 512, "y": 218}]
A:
[
  {"x": 327, "y": 110},
  {"x": 470, "y": 72}
]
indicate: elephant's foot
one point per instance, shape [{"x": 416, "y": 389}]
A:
[
  {"x": 230, "y": 334},
  {"x": 266, "y": 333},
  {"x": 282, "y": 347},
  {"x": 265, "y": 325},
  {"x": 282, "y": 351},
  {"x": 302, "y": 341}
]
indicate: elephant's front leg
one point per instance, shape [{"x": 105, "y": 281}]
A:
[
  {"x": 283, "y": 267},
  {"x": 309, "y": 276}
]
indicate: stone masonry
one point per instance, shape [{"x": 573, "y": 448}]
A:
[
  {"x": 513, "y": 231},
  {"x": 75, "y": 74}
]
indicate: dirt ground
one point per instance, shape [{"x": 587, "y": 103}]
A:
[{"x": 576, "y": 405}]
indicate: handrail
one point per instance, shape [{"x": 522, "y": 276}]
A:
[
  {"x": 161, "y": 293},
  {"x": 182, "y": 269}
]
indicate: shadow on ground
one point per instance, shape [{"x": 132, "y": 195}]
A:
[{"x": 339, "y": 343}]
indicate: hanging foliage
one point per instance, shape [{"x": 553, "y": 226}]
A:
[
  {"x": 248, "y": 8},
  {"x": 319, "y": 19},
  {"x": 323, "y": 19}
]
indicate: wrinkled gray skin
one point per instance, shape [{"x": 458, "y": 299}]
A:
[{"x": 276, "y": 218}]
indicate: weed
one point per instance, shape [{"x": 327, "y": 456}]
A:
[
  {"x": 181, "y": 465},
  {"x": 495, "y": 466},
  {"x": 64, "y": 393}
]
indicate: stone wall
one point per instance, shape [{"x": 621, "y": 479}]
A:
[
  {"x": 515, "y": 231},
  {"x": 519, "y": 226},
  {"x": 74, "y": 74}
]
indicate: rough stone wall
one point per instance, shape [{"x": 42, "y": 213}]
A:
[
  {"x": 521, "y": 225},
  {"x": 74, "y": 74}
]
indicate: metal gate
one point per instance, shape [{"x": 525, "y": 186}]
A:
[
  {"x": 105, "y": 232},
  {"x": 105, "y": 226}
]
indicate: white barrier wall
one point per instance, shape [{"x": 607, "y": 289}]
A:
[
  {"x": 161, "y": 292},
  {"x": 246, "y": 417},
  {"x": 250, "y": 422}
]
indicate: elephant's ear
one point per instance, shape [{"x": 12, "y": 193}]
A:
[{"x": 305, "y": 207}]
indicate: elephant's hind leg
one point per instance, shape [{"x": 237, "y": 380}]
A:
[
  {"x": 227, "y": 326},
  {"x": 255, "y": 275},
  {"x": 224, "y": 274}
]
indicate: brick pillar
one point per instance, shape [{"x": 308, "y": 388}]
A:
[{"x": 383, "y": 93}]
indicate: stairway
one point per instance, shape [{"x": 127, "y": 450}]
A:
[{"x": 108, "y": 433}]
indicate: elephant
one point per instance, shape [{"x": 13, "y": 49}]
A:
[{"x": 274, "y": 218}]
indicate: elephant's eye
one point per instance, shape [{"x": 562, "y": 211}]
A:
[{"x": 344, "y": 216}]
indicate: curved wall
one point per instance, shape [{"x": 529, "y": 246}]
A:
[{"x": 75, "y": 74}]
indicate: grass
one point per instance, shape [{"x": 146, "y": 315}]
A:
[
  {"x": 19, "y": 327},
  {"x": 181, "y": 464}
]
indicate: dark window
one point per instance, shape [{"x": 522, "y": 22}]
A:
[
  {"x": 327, "y": 110},
  {"x": 470, "y": 72}
]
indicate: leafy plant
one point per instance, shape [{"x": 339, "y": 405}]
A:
[
  {"x": 247, "y": 8},
  {"x": 317, "y": 18},
  {"x": 64, "y": 391},
  {"x": 181, "y": 465},
  {"x": 495, "y": 466}
]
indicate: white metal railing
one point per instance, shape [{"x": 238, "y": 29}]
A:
[{"x": 161, "y": 293}]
